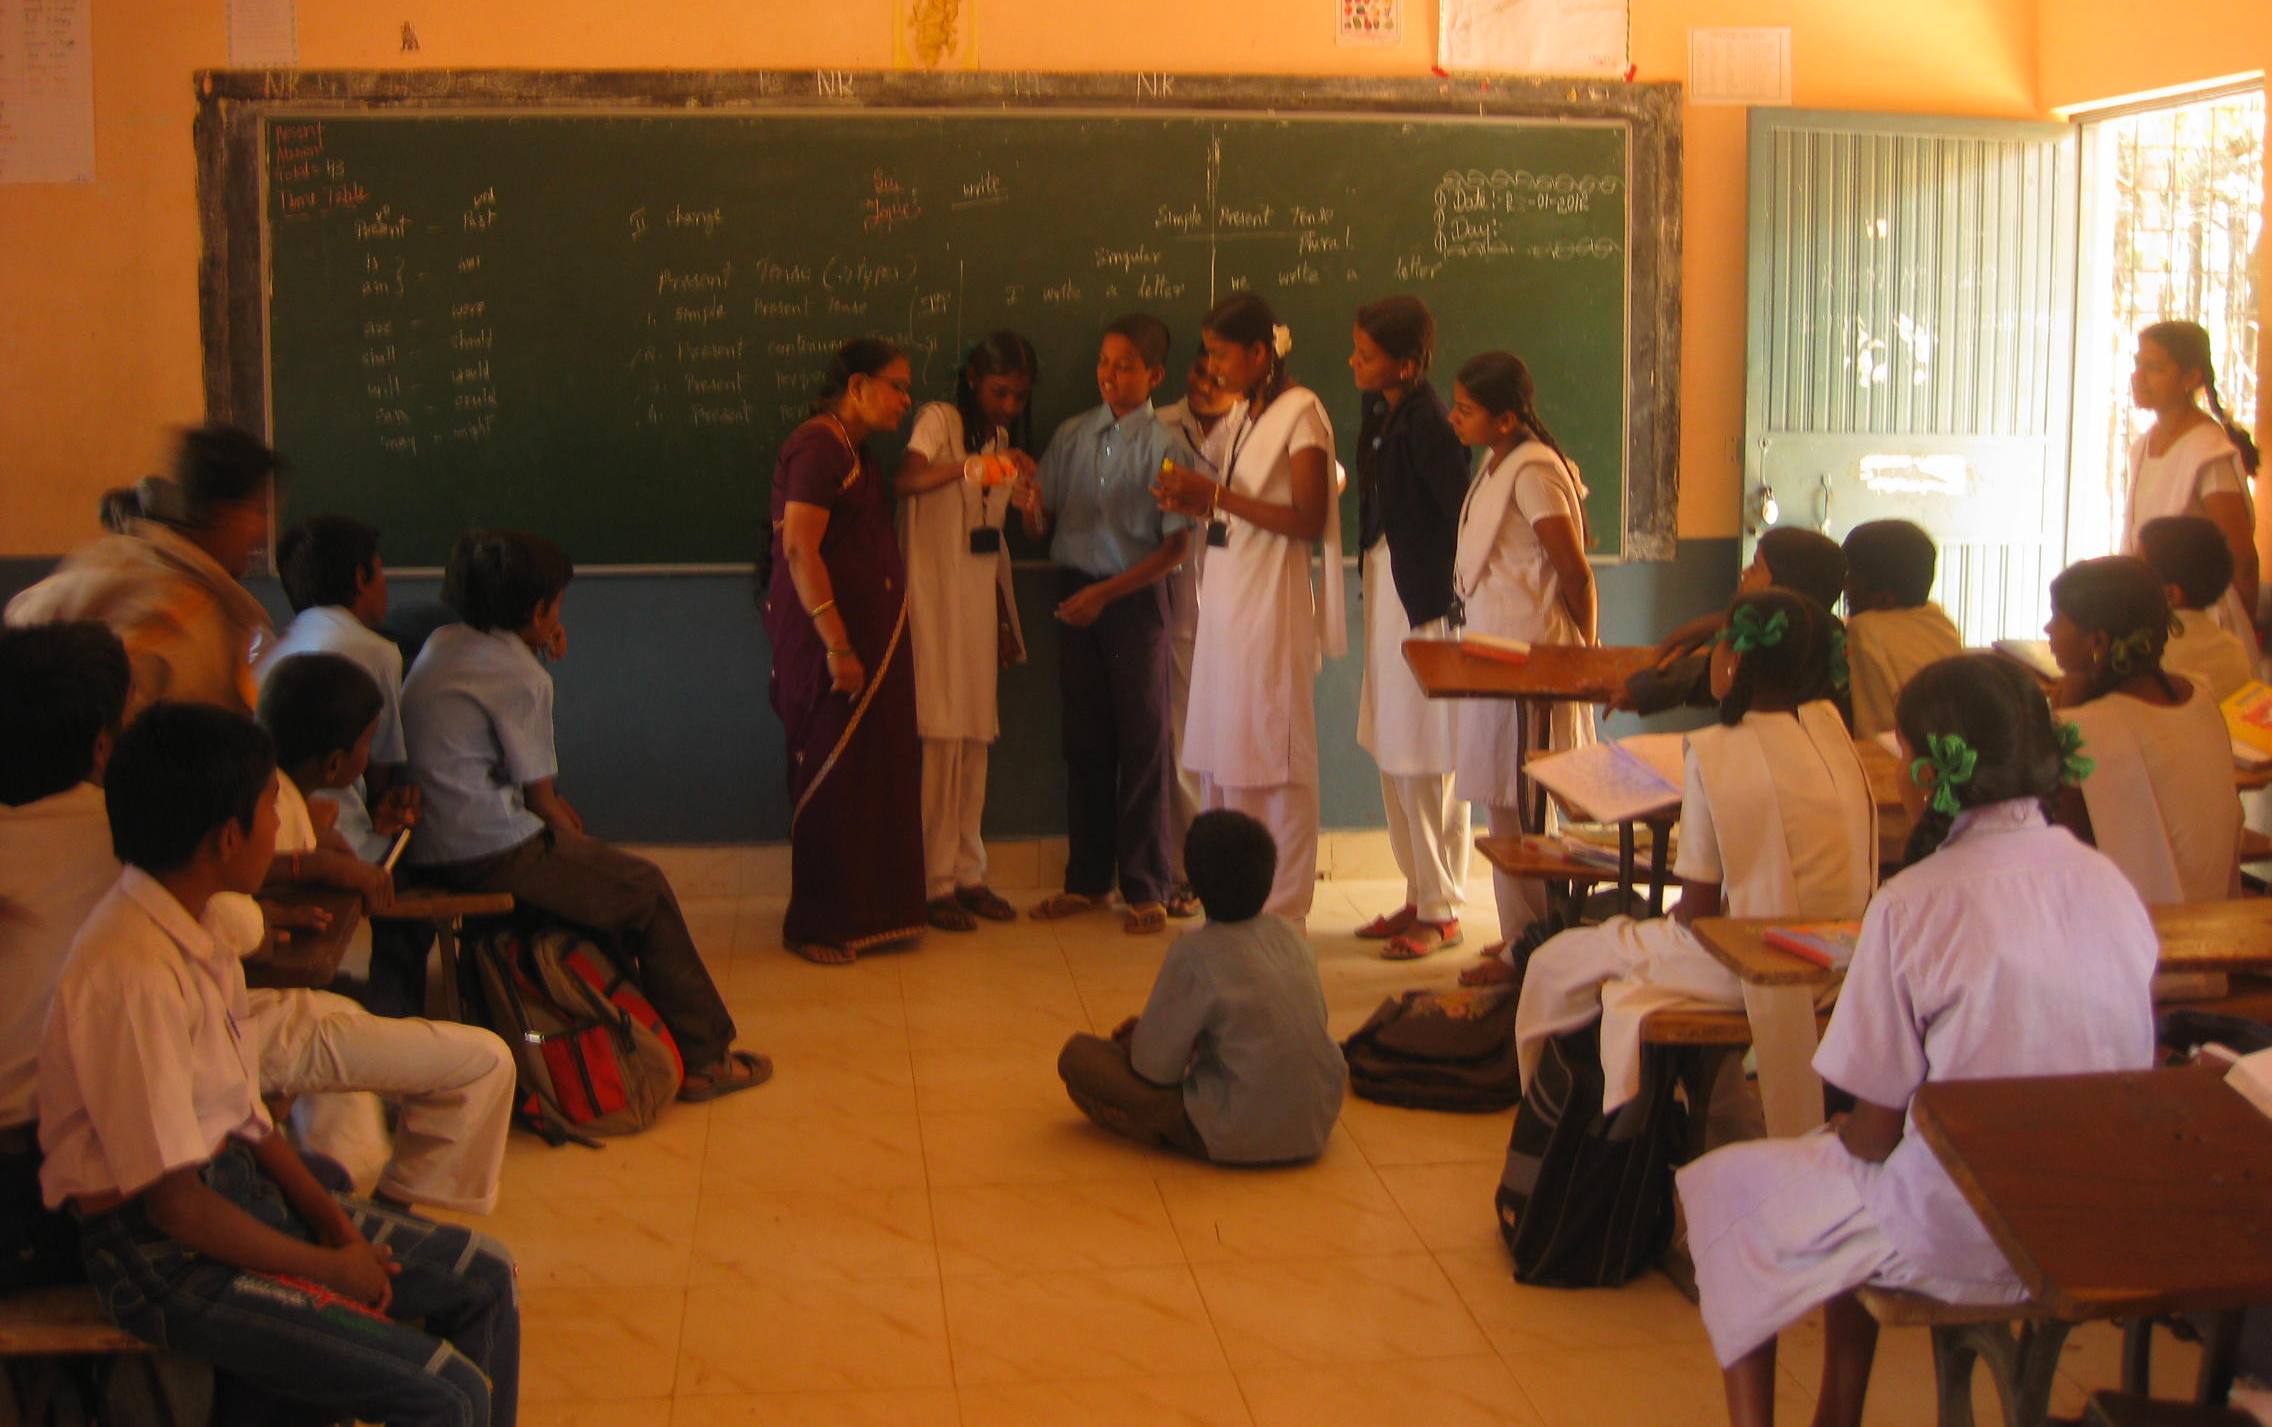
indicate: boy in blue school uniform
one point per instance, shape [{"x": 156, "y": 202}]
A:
[
  {"x": 1114, "y": 549},
  {"x": 201, "y": 1228}
]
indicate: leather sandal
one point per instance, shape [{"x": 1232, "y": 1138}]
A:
[
  {"x": 1424, "y": 939},
  {"x": 1392, "y": 924}
]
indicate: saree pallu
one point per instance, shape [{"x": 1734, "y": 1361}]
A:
[{"x": 854, "y": 764}]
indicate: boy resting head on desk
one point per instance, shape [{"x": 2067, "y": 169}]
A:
[{"x": 1681, "y": 673}]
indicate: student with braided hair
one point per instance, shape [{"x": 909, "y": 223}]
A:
[
  {"x": 2193, "y": 462},
  {"x": 2162, "y": 803},
  {"x": 1776, "y": 820}
]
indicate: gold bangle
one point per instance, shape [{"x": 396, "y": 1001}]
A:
[{"x": 820, "y": 609}]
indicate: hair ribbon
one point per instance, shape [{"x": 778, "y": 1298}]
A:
[
  {"x": 2073, "y": 766},
  {"x": 1841, "y": 673},
  {"x": 1950, "y": 760},
  {"x": 1747, "y": 629}
]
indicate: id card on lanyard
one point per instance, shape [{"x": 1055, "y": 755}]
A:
[
  {"x": 1219, "y": 529},
  {"x": 985, "y": 535}
]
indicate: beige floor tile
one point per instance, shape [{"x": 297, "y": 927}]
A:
[
  {"x": 1295, "y": 1213},
  {"x": 967, "y": 1147},
  {"x": 1441, "y": 1392},
  {"x": 1641, "y": 1387},
  {"x": 760, "y": 969},
  {"x": 1196, "y": 1400},
  {"x": 642, "y": 1412},
  {"x": 1389, "y": 1135},
  {"x": 1028, "y": 1015},
  {"x": 874, "y": 1027},
  {"x": 580, "y": 1345},
  {"x": 2092, "y": 1361},
  {"x": 664, "y": 1159},
  {"x": 813, "y": 1335},
  {"x": 1022, "y": 1079},
  {"x": 1037, "y": 1228},
  {"x": 1450, "y": 1206},
  {"x": 1293, "y": 1312},
  {"x": 836, "y": 1233},
  {"x": 696, "y": 872},
  {"x": 818, "y": 1153},
  {"x": 1527, "y": 1321},
  {"x": 1902, "y": 1389},
  {"x": 819, "y": 1078},
  {"x": 569, "y": 1240},
  {"x": 889, "y": 1407},
  {"x": 1057, "y": 1327}
]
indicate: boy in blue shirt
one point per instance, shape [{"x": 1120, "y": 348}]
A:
[
  {"x": 1114, "y": 547},
  {"x": 1231, "y": 1060},
  {"x": 477, "y": 716},
  {"x": 201, "y": 1228}
]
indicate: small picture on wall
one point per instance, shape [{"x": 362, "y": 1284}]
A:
[{"x": 1369, "y": 22}]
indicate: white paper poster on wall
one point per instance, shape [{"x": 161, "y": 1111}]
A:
[
  {"x": 47, "y": 92},
  {"x": 264, "y": 34},
  {"x": 1534, "y": 36},
  {"x": 1369, "y": 22},
  {"x": 1750, "y": 65}
]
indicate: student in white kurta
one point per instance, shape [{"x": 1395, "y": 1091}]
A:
[
  {"x": 1893, "y": 628},
  {"x": 962, "y": 613},
  {"x": 1519, "y": 571},
  {"x": 1251, "y": 731},
  {"x": 2193, "y": 462},
  {"x": 2189, "y": 557},
  {"x": 1411, "y": 478},
  {"x": 2162, "y": 802},
  {"x": 1205, "y": 418},
  {"x": 1776, "y": 820},
  {"x": 2010, "y": 950}
]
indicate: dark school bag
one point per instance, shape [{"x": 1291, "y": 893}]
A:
[
  {"x": 1439, "y": 1050},
  {"x": 594, "y": 1057},
  {"x": 1585, "y": 1200}
]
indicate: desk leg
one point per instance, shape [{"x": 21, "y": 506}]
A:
[
  {"x": 1783, "y": 1042},
  {"x": 1530, "y": 741},
  {"x": 1660, "y": 841},
  {"x": 446, "y": 949},
  {"x": 1625, "y": 857}
]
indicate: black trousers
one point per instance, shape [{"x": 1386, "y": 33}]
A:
[{"x": 1114, "y": 679}]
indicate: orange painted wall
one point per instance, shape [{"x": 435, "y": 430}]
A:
[{"x": 98, "y": 309}]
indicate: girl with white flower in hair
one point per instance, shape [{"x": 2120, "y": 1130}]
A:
[
  {"x": 2005, "y": 948},
  {"x": 1251, "y": 730}
]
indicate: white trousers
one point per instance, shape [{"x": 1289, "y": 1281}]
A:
[
  {"x": 1290, "y": 811},
  {"x": 1184, "y": 791},
  {"x": 1428, "y": 831},
  {"x": 1619, "y": 971},
  {"x": 954, "y": 801},
  {"x": 454, "y": 1085},
  {"x": 1522, "y": 900}
]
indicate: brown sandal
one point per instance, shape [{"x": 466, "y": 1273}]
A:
[
  {"x": 1183, "y": 903},
  {"x": 1424, "y": 939},
  {"x": 1490, "y": 969},
  {"x": 1392, "y": 924},
  {"x": 948, "y": 914},
  {"x": 1145, "y": 919},
  {"x": 741, "y": 1070},
  {"x": 984, "y": 901},
  {"x": 1062, "y": 905}
]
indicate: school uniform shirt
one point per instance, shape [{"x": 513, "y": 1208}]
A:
[
  {"x": 2208, "y": 654},
  {"x": 1884, "y": 650},
  {"x": 2012, "y": 950},
  {"x": 1237, "y": 1018},
  {"x": 1096, "y": 482},
  {"x": 334, "y": 629},
  {"x": 2201, "y": 463},
  {"x": 189, "y": 628},
  {"x": 55, "y": 864},
  {"x": 953, "y": 595},
  {"x": 1252, "y": 721},
  {"x": 2162, "y": 796},
  {"x": 143, "y": 1067},
  {"x": 1510, "y": 589},
  {"x": 1213, "y": 448},
  {"x": 477, "y": 716}
]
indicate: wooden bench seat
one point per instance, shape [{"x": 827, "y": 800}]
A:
[
  {"x": 63, "y": 1321},
  {"x": 1706, "y": 1028},
  {"x": 2018, "y": 1342}
]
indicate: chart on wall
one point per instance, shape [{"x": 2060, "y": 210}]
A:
[{"x": 602, "y": 326}]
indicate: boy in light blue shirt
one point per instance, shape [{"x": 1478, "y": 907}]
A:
[
  {"x": 1114, "y": 548},
  {"x": 477, "y": 715},
  {"x": 1231, "y": 1060}
]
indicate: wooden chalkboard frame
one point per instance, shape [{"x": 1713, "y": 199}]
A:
[{"x": 232, "y": 103}]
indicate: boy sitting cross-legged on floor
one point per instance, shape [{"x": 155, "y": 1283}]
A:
[
  {"x": 1231, "y": 1060},
  {"x": 200, "y": 1226}
]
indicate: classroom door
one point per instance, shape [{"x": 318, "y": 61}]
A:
[{"x": 1909, "y": 349}]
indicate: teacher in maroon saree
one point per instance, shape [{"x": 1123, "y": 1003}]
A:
[{"x": 835, "y": 599}]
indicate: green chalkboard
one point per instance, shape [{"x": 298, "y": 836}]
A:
[{"x": 602, "y": 324}]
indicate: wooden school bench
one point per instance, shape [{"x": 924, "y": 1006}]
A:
[
  {"x": 313, "y": 961},
  {"x": 58, "y": 1322}
]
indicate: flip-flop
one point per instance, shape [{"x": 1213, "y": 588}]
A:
[
  {"x": 949, "y": 915},
  {"x": 1063, "y": 905},
  {"x": 1145, "y": 919},
  {"x": 1415, "y": 943},
  {"x": 986, "y": 902},
  {"x": 1391, "y": 924},
  {"x": 820, "y": 953},
  {"x": 1183, "y": 903},
  {"x": 760, "y": 1070}
]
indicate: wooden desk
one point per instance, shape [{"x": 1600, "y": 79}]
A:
[
  {"x": 2114, "y": 1195},
  {"x": 1782, "y": 990},
  {"x": 309, "y": 959},
  {"x": 1572, "y": 673}
]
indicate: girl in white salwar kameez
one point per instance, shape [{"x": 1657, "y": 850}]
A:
[
  {"x": 2193, "y": 462},
  {"x": 2163, "y": 802},
  {"x": 1776, "y": 821},
  {"x": 2008, "y": 948},
  {"x": 954, "y": 497},
  {"x": 1251, "y": 730},
  {"x": 1519, "y": 571}
]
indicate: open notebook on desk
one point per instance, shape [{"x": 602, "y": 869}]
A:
[{"x": 1622, "y": 781}]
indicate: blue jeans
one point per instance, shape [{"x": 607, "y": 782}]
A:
[{"x": 447, "y": 1352}]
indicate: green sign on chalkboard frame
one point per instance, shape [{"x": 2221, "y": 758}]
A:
[{"x": 542, "y": 300}]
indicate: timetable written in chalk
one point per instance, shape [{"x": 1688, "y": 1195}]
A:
[{"x": 47, "y": 92}]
